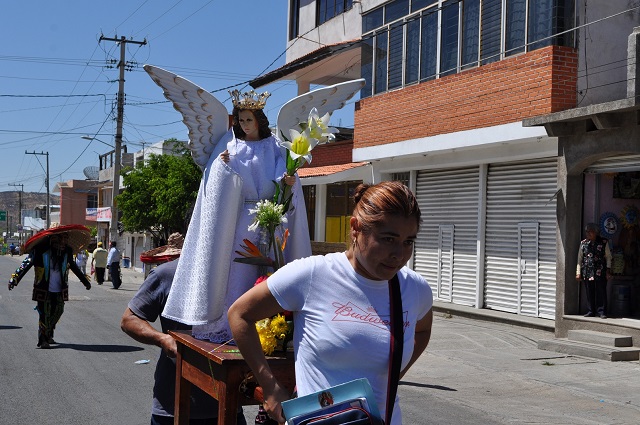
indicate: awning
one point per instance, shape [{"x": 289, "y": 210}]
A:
[
  {"x": 335, "y": 173},
  {"x": 322, "y": 59}
]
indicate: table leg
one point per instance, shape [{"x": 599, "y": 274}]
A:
[
  {"x": 183, "y": 391},
  {"x": 228, "y": 403}
]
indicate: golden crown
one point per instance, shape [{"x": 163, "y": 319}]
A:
[{"x": 249, "y": 100}]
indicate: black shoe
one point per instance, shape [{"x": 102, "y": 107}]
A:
[
  {"x": 51, "y": 341},
  {"x": 589, "y": 315},
  {"x": 44, "y": 344}
]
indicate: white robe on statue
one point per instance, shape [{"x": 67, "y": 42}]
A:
[{"x": 207, "y": 281}]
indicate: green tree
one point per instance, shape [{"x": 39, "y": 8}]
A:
[{"x": 160, "y": 193}]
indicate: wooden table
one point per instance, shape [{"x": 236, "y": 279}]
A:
[{"x": 218, "y": 370}]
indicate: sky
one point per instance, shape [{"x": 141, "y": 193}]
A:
[{"x": 58, "y": 81}]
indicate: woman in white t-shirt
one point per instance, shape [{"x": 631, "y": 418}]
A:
[{"x": 340, "y": 304}]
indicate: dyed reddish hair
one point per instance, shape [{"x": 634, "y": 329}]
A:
[{"x": 373, "y": 202}]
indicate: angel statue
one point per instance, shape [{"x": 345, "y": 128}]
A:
[{"x": 240, "y": 166}]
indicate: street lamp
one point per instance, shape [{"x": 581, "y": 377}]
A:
[
  {"x": 97, "y": 140},
  {"x": 113, "y": 224}
]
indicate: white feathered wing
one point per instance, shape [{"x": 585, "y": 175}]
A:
[
  {"x": 206, "y": 118},
  {"x": 325, "y": 100}
]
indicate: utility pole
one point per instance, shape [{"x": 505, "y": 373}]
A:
[
  {"x": 19, "y": 207},
  {"x": 113, "y": 225},
  {"x": 47, "y": 183}
]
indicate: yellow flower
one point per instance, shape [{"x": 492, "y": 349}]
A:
[
  {"x": 271, "y": 331},
  {"x": 301, "y": 144},
  {"x": 279, "y": 326}
]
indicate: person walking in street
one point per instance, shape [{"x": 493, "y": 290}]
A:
[
  {"x": 99, "y": 262},
  {"x": 81, "y": 260},
  {"x": 594, "y": 269},
  {"x": 51, "y": 253},
  {"x": 113, "y": 264},
  {"x": 145, "y": 307}
]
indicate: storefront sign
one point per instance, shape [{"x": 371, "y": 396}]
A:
[{"x": 98, "y": 214}]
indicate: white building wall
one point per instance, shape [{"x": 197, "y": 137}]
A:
[{"x": 344, "y": 27}]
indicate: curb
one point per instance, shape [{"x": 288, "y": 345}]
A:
[{"x": 494, "y": 316}]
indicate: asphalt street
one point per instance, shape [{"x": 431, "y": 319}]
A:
[{"x": 474, "y": 371}]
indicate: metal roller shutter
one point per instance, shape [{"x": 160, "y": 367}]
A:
[
  {"x": 520, "y": 250},
  {"x": 621, "y": 163},
  {"x": 446, "y": 247}
]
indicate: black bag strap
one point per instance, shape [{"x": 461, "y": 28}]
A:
[{"x": 397, "y": 341}]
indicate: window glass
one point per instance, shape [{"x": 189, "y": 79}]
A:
[
  {"x": 515, "y": 27},
  {"x": 372, "y": 20},
  {"x": 420, "y": 4},
  {"x": 294, "y": 20},
  {"x": 470, "y": 33},
  {"x": 540, "y": 23},
  {"x": 396, "y": 10},
  {"x": 396, "y": 36},
  {"x": 92, "y": 200},
  {"x": 429, "y": 46},
  {"x": 412, "y": 52},
  {"x": 327, "y": 9},
  {"x": 490, "y": 28},
  {"x": 447, "y": 36},
  {"x": 449, "y": 39},
  {"x": 381, "y": 62},
  {"x": 366, "y": 65}
]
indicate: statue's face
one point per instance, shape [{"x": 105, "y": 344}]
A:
[{"x": 249, "y": 124}]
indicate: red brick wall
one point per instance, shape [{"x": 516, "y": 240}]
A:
[
  {"x": 331, "y": 154},
  {"x": 531, "y": 84}
]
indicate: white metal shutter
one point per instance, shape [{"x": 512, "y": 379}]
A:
[
  {"x": 445, "y": 259},
  {"x": 620, "y": 163},
  {"x": 518, "y": 193},
  {"x": 449, "y": 197},
  {"x": 528, "y": 268}
]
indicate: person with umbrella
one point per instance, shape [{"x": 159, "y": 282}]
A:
[{"x": 51, "y": 253}]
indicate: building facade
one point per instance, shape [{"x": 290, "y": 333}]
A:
[{"x": 448, "y": 86}]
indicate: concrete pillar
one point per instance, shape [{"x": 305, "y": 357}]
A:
[
  {"x": 303, "y": 87},
  {"x": 633, "y": 70}
]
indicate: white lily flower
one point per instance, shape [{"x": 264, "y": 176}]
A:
[
  {"x": 319, "y": 127},
  {"x": 301, "y": 144}
]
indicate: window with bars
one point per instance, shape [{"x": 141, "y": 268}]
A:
[
  {"x": 402, "y": 177},
  {"x": 410, "y": 41}
]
